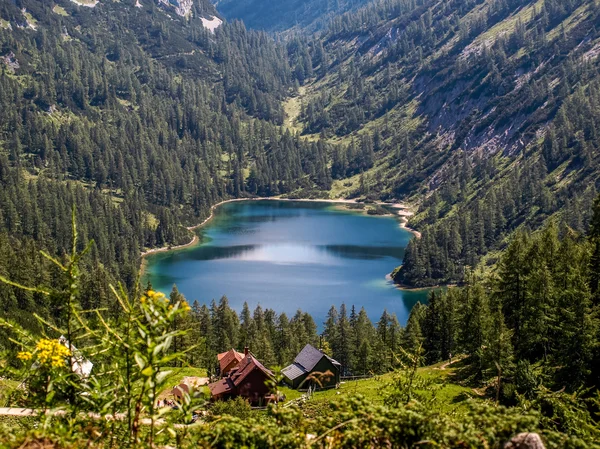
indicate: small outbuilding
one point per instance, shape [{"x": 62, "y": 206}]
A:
[
  {"x": 310, "y": 368},
  {"x": 248, "y": 380},
  {"x": 180, "y": 391}
]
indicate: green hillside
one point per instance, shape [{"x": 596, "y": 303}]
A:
[
  {"x": 481, "y": 112},
  {"x": 141, "y": 120},
  {"x": 122, "y": 123}
]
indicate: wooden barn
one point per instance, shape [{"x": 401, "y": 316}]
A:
[
  {"x": 312, "y": 361},
  {"x": 228, "y": 361},
  {"x": 248, "y": 380}
]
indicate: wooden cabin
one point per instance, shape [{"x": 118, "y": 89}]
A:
[
  {"x": 228, "y": 361},
  {"x": 309, "y": 369},
  {"x": 248, "y": 380}
]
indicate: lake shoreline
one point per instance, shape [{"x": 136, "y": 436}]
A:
[
  {"x": 163, "y": 249},
  {"x": 408, "y": 288},
  {"x": 403, "y": 213}
]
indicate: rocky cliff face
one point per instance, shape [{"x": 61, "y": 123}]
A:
[{"x": 181, "y": 7}]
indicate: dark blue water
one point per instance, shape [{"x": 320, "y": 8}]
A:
[{"x": 291, "y": 255}]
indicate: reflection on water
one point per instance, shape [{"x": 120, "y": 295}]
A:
[
  {"x": 293, "y": 253},
  {"x": 289, "y": 255},
  {"x": 365, "y": 252}
]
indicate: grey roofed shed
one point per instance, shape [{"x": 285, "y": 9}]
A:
[
  {"x": 294, "y": 371},
  {"x": 311, "y": 360}
]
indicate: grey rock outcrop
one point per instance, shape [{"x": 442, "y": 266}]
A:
[
  {"x": 525, "y": 440},
  {"x": 181, "y": 7}
]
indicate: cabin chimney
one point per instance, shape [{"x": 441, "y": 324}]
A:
[{"x": 246, "y": 350}]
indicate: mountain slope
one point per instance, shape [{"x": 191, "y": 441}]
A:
[
  {"x": 484, "y": 111},
  {"x": 283, "y": 15},
  {"x": 140, "y": 119}
]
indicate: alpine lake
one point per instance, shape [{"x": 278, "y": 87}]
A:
[{"x": 290, "y": 255}]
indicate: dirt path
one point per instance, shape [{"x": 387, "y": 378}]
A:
[
  {"x": 445, "y": 365},
  {"x": 22, "y": 412},
  {"x": 448, "y": 363},
  {"x": 13, "y": 411}
]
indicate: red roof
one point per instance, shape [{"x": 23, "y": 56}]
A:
[
  {"x": 220, "y": 387},
  {"x": 230, "y": 384},
  {"x": 227, "y": 358},
  {"x": 245, "y": 367}
]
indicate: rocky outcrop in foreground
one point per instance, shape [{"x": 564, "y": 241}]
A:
[{"x": 525, "y": 440}]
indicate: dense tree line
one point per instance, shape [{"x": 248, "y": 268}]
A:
[
  {"x": 533, "y": 322},
  {"x": 456, "y": 237},
  {"x": 348, "y": 335}
]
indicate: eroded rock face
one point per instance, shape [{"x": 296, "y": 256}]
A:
[
  {"x": 525, "y": 440},
  {"x": 11, "y": 62},
  {"x": 181, "y": 7}
]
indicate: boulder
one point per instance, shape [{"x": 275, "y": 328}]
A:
[{"x": 525, "y": 440}]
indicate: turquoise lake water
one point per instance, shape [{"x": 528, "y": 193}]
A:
[{"x": 291, "y": 255}]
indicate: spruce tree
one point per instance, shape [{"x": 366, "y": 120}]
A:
[
  {"x": 594, "y": 237},
  {"x": 342, "y": 353}
]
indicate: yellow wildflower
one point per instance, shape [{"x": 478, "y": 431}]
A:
[
  {"x": 185, "y": 306},
  {"x": 24, "y": 355},
  {"x": 52, "y": 353},
  {"x": 155, "y": 296}
]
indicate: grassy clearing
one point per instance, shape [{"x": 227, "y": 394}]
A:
[
  {"x": 292, "y": 108},
  {"x": 290, "y": 394},
  {"x": 341, "y": 188},
  {"x": 60, "y": 11},
  {"x": 448, "y": 396},
  {"x": 570, "y": 22},
  {"x": 90, "y": 3},
  {"x": 30, "y": 20},
  {"x": 508, "y": 24}
]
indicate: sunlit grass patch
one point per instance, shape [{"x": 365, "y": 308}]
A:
[{"x": 60, "y": 10}]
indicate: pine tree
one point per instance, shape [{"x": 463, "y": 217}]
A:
[
  {"x": 413, "y": 334},
  {"x": 247, "y": 328},
  {"x": 511, "y": 288},
  {"x": 475, "y": 318},
  {"x": 594, "y": 236},
  {"x": 174, "y": 298},
  {"x": 283, "y": 343},
  {"x": 343, "y": 351},
  {"x": 576, "y": 325},
  {"x": 498, "y": 354},
  {"x": 364, "y": 333},
  {"x": 330, "y": 330}
]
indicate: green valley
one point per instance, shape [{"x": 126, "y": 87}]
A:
[{"x": 474, "y": 123}]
